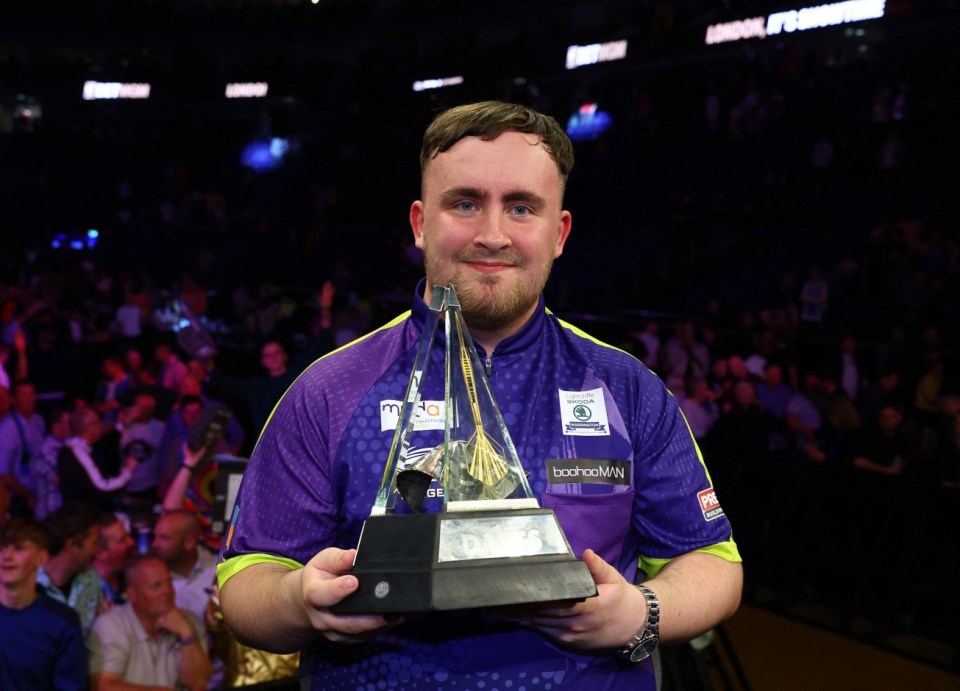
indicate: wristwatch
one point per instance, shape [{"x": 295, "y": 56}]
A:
[{"x": 643, "y": 644}]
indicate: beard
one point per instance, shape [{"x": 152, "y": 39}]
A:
[{"x": 489, "y": 302}]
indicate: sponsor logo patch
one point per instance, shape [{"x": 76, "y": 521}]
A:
[
  {"x": 584, "y": 413},
  {"x": 595, "y": 471},
  {"x": 429, "y": 415},
  {"x": 709, "y": 504}
]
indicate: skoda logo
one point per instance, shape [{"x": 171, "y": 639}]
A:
[{"x": 582, "y": 412}]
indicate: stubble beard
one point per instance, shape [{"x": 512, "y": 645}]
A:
[{"x": 487, "y": 304}]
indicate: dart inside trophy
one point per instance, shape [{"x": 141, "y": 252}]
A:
[{"x": 489, "y": 543}]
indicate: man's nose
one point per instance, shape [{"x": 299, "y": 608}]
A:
[{"x": 492, "y": 231}]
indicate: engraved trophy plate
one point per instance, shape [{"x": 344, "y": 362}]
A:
[{"x": 490, "y": 544}]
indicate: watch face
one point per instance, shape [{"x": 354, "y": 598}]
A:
[{"x": 644, "y": 648}]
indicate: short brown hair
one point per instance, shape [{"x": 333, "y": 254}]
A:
[
  {"x": 488, "y": 120},
  {"x": 19, "y": 530}
]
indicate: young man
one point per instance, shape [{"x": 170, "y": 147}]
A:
[
  {"x": 41, "y": 645},
  {"x": 490, "y": 221},
  {"x": 67, "y": 576},
  {"x": 147, "y": 642}
]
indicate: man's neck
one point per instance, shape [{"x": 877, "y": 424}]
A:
[
  {"x": 19, "y": 595},
  {"x": 59, "y": 572},
  {"x": 184, "y": 565}
]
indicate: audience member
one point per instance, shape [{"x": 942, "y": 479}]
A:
[
  {"x": 67, "y": 576},
  {"x": 113, "y": 388},
  {"x": 176, "y": 540},
  {"x": 41, "y": 643},
  {"x": 886, "y": 448},
  {"x": 21, "y": 437},
  {"x": 44, "y": 464},
  {"x": 171, "y": 369},
  {"x": 141, "y": 437},
  {"x": 683, "y": 356},
  {"x": 148, "y": 642},
  {"x": 81, "y": 477},
  {"x": 114, "y": 548},
  {"x": 699, "y": 407}
]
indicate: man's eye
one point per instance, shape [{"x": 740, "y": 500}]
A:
[
  {"x": 521, "y": 210},
  {"x": 466, "y": 206}
]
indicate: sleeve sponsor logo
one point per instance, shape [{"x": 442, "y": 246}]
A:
[
  {"x": 709, "y": 504},
  {"x": 584, "y": 413},
  {"x": 596, "y": 471}
]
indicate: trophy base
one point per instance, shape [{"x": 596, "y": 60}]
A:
[{"x": 464, "y": 560}]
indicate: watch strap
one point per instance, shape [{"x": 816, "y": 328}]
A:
[{"x": 644, "y": 643}]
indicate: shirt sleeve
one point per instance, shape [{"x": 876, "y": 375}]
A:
[{"x": 108, "y": 648}]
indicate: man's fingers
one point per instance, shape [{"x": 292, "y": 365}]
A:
[{"x": 602, "y": 572}]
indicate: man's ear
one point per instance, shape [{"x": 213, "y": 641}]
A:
[
  {"x": 563, "y": 232},
  {"x": 416, "y": 222}
]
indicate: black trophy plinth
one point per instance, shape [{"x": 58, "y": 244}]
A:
[{"x": 463, "y": 560}]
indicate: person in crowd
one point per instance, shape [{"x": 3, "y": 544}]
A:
[
  {"x": 804, "y": 417},
  {"x": 772, "y": 392},
  {"x": 41, "y": 643},
  {"x": 259, "y": 394},
  {"x": 699, "y": 407},
  {"x": 491, "y": 222},
  {"x": 44, "y": 464},
  {"x": 887, "y": 388},
  {"x": 113, "y": 389},
  {"x": 114, "y": 548},
  {"x": 171, "y": 369},
  {"x": 147, "y": 642},
  {"x": 81, "y": 477},
  {"x": 889, "y": 446},
  {"x": 21, "y": 437},
  {"x": 136, "y": 368},
  {"x": 683, "y": 356},
  {"x": 67, "y": 576},
  {"x": 176, "y": 540},
  {"x": 190, "y": 422},
  {"x": 141, "y": 437}
]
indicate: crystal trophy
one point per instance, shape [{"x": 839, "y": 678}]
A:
[{"x": 489, "y": 543}]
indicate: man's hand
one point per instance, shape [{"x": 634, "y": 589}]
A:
[
  {"x": 176, "y": 622},
  {"x": 272, "y": 607},
  {"x": 609, "y": 620},
  {"x": 324, "y": 583}
]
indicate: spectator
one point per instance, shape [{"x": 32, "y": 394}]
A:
[
  {"x": 114, "y": 548},
  {"x": 113, "y": 388},
  {"x": 141, "y": 437},
  {"x": 194, "y": 425},
  {"x": 21, "y": 437},
  {"x": 44, "y": 468},
  {"x": 772, "y": 392},
  {"x": 147, "y": 642},
  {"x": 176, "y": 540},
  {"x": 699, "y": 407},
  {"x": 41, "y": 643},
  {"x": 888, "y": 446},
  {"x": 67, "y": 576},
  {"x": 260, "y": 394},
  {"x": 683, "y": 356},
  {"x": 171, "y": 368},
  {"x": 81, "y": 477}
]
